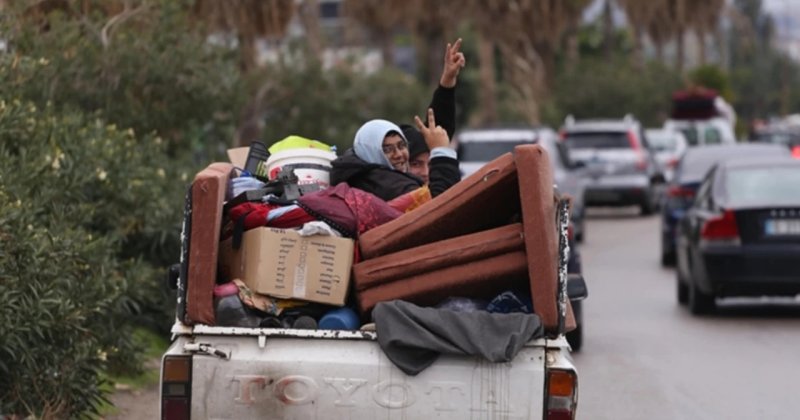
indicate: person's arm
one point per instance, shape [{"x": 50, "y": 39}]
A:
[{"x": 443, "y": 102}]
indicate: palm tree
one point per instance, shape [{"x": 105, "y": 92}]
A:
[
  {"x": 380, "y": 17},
  {"x": 309, "y": 15},
  {"x": 248, "y": 19},
  {"x": 704, "y": 19},
  {"x": 528, "y": 33},
  {"x": 640, "y": 15}
]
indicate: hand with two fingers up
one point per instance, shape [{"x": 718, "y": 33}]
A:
[{"x": 435, "y": 135}]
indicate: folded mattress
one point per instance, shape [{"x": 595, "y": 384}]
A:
[
  {"x": 437, "y": 256},
  {"x": 486, "y": 199},
  {"x": 481, "y": 278},
  {"x": 537, "y": 196}
]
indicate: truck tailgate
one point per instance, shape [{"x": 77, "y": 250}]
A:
[{"x": 336, "y": 378}]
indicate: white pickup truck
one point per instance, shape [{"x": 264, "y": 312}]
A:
[{"x": 214, "y": 372}]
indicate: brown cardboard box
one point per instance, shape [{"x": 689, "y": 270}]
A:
[{"x": 283, "y": 264}]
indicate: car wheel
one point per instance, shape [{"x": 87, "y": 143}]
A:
[
  {"x": 683, "y": 289},
  {"x": 700, "y": 302},
  {"x": 668, "y": 258},
  {"x": 646, "y": 207},
  {"x": 575, "y": 337},
  {"x": 581, "y": 234}
]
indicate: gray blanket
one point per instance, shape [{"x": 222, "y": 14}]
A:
[{"x": 413, "y": 337}]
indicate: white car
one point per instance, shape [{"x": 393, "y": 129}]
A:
[
  {"x": 668, "y": 146},
  {"x": 716, "y": 130}
]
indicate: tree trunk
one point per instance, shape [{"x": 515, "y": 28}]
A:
[
  {"x": 679, "y": 55},
  {"x": 488, "y": 86},
  {"x": 659, "y": 51},
  {"x": 247, "y": 53},
  {"x": 701, "y": 42},
  {"x": 573, "y": 53},
  {"x": 309, "y": 15},
  {"x": 387, "y": 48},
  {"x": 434, "y": 56},
  {"x": 608, "y": 29},
  {"x": 638, "y": 55}
]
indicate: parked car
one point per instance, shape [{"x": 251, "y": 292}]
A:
[
  {"x": 782, "y": 134},
  {"x": 668, "y": 146},
  {"x": 704, "y": 132},
  {"x": 691, "y": 169},
  {"x": 741, "y": 237},
  {"x": 621, "y": 168},
  {"x": 476, "y": 147}
]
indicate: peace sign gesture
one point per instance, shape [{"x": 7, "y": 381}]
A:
[
  {"x": 435, "y": 135},
  {"x": 454, "y": 61}
]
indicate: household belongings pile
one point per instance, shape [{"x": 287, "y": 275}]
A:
[{"x": 427, "y": 278}]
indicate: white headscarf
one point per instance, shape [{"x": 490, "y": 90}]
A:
[{"x": 368, "y": 143}]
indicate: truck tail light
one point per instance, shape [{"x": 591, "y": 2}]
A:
[
  {"x": 722, "y": 228},
  {"x": 176, "y": 388},
  {"x": 562, "y": 394}
]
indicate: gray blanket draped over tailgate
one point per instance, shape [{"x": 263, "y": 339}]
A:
[{"x": 413, "y": 337}]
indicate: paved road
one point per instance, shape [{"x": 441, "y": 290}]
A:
[{"x": 645, "y": 357}]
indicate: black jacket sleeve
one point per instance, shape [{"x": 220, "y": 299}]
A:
[
  {"x": 444, "y": 173},
  {"x": 444, "y": 109}
]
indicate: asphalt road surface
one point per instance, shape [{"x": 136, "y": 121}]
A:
[{"x": 646, "y": 357}]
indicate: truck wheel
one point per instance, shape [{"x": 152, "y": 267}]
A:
[
  {"x": 699, "y": 302},
  {"x": 575, "y": 337}
]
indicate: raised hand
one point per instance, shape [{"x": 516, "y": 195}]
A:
[
  {"x": 435, "y": 135},
  {"x": 454, "y": 61}
]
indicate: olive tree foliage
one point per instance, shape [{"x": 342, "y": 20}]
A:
[
  {"x": 73, "y": 189},
  {"x": 152, "y": 70}
]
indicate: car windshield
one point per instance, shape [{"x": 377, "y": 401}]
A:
[
  {"x": 662, "y": 141},
  {"x": 598, "y": 140},
  {"x": 774, "y": 186},
  {"x": 486, "y": 150}
]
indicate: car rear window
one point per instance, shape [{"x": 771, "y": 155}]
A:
[
  {"x": 598, "y": 140},
  {"x": 773, "y": 186},
  {"x": 695, "y": 165},
  {"x": 486, "y": 151},
  {"x": 662, "y": 141}
]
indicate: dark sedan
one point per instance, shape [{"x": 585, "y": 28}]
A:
[
  {"x": 692, "y": 167},
  {"x": 741, "y": 237}
]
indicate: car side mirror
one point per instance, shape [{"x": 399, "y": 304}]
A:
[{"x": 576, "y": 287}]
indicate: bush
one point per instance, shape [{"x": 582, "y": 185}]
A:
[
  {"x": 156, "y": 74},
  {"x": 76, "y": 198}
]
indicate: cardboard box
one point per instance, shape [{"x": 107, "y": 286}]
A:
[{"x": 283, "y": 264}]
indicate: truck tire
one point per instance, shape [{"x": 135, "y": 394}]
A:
[{"x": 575, "y": 337}]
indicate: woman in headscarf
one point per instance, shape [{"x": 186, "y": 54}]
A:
[{"x": 378, "y": 161}]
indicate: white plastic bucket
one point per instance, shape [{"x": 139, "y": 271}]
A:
[{"x": 311, "y": 166}]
